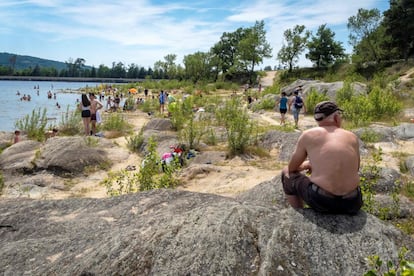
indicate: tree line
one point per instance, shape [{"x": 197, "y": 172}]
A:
[{"x": 375, "y": 37}]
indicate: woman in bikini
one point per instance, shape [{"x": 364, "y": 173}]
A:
[{"x": 85, "y": 107}]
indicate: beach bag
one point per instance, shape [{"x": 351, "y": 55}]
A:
[{"x": 298, "y": 102}]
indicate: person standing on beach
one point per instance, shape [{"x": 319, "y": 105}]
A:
[
  {"x": 85, "y": 107},
  {"x": 283, "y": 107},
  {"x": 95, "y": 106},
  {"x": 162, "y": 98}
]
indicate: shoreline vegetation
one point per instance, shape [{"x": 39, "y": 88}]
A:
[{"x": 71, "y": 79}]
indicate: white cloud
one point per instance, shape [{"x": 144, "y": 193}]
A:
[{"x": 141, "y": 32}]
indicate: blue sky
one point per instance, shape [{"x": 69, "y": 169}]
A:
[{"x": 143, "y": 32}]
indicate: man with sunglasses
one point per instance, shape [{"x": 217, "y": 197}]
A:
[{"x": 323, "y": 169}]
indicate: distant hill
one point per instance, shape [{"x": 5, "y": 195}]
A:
[{"x": 23, "y": 62}]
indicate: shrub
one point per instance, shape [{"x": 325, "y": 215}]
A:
[
  {"x": 129, "y": 103},
  {"x": 34, "y": 126},
  {"x": 313, "y": 98},
  {"x": 122, "y": 182},
  {"x": 402, "y": 267},
  {"x": 360, "y": 110},
  {"x": 135, "y": 141},
  {"x": 194, "y": 130},
  {"x": 264, "y": 104},
  {"x": 239, "y": 127},
  {"x": 371, "y": 174},
  {"x": 70, "y": 121},
  {"x": 180, "y": 112},
  {"x": 116, "y": 122},
  {"x": 370, "y": 136}
]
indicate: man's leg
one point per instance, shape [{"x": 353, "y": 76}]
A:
[{"x": 294, "y": 201}]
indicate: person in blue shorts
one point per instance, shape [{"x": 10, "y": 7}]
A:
[{"x": 283, "y": 107}]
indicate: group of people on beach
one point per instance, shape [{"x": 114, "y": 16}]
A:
[{"x": 89, "y": 107}]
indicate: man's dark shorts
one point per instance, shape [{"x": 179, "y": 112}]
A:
[
  {"x": 300, "y": 185},
  {"x": 93, "y": 117}
]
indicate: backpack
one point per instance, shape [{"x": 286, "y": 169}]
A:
[{"x": 298, "y": 102}]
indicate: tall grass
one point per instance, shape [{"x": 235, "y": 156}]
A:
[
  {"x": 34, "y": 125},
  {"x": 70, "y": 122}
]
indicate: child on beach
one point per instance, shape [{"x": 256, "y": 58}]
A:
[{"x": 16, "y": 137}]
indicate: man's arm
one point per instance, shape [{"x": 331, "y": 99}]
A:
[{"x": 298, "y": 158}]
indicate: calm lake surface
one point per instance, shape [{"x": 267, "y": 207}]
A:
[{"x": 12, "y": 108}]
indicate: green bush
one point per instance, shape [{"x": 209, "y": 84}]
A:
[
  {"x": 370, "y": 136},
  {"x": 34, "y": 126},
  {"x": 403, "y": 267},
  {"x": 239, "y": 126},
  {"x": 135, "y": 141},
  {"x": 122, "y": 182},
  {"x": 264, "y": 104},
  {"x": 70, "y": 122},
  {"x": 116, "y": 122},
  {"x": 361, "y": 110},
  {"x": 194, "y": 131},
  {"x": 313, "y": 98},
  {"x": 180, "y": 111},
  {"x": 129, "y": 103}
]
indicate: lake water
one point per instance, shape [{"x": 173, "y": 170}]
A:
[{"x": 13, "y": 109}]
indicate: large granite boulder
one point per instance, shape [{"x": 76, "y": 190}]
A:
[
  {"x": 328, "y": 88},
  {"x": 18, "y": 158},
  {"x": 71, "y": 155},
  {"x": 404, "y": 131},
  {"x": 168, "y": 232},
  {"x": 285, "y": 142}
]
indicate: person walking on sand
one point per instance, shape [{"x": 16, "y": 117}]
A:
[
  {"x": 85, "y": 108},
  {"x": 95, "y": 106},
  {"x": 296, "y": 103},
  {"x": 283, "y": 107},
  {"x": 331, "y": 156}
]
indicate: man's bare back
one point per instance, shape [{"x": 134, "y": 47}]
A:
[
  {"x": 331, "y": 155},
  {"x": 334, "y": 157}
]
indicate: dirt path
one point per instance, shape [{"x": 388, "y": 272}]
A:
[{"x": 268, "y": 79}]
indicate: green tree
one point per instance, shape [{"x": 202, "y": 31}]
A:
[
  {"x": 118, "y": 70},
  {"x": 323, "y": 49},
  {"x": 104, "y": 71},
  {"x": 399, "y": 24},
  {"x": 168, "y": 67},
  {"x": 225, "y": 50},
  {"x": 294, "y": 45},
  {"x": 197, "y": 66},
  {"x": 253, "y": 47},
  {"x": 363, "y": 33}
]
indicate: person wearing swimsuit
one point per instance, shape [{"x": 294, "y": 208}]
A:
[
  {"x": 85, "y": 108},
  {"x": 95, "y": 106},
  {"x": 331, "y": 156}
]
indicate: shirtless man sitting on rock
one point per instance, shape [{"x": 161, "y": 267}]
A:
[{"x": 333, "y": 164}]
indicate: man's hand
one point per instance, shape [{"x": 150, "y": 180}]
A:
[{"x": 306, "y": 166}]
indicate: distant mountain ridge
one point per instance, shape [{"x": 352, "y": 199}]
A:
[{"x": 24, "y": 62}]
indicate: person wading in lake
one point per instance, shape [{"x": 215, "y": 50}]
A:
[
  {"x": 333, "y": 163},
  {"x": 85, "y": 108}
]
